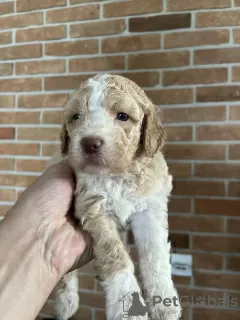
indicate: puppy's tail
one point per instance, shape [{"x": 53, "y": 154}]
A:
[{"x": 67, "y": 298}]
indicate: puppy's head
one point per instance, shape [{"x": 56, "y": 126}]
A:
[{"x": 108, "y": 123}]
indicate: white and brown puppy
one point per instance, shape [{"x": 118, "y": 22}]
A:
[{"x": 113, "y": 138}]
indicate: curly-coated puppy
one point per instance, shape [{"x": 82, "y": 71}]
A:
[{"x": 113, "y": 138}]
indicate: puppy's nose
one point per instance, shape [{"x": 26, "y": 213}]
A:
[{"x": 91, "y": 145}]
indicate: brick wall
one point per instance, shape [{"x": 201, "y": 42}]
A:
[{"x": 186, "y": 55}]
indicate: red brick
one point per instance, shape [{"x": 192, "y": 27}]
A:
[
  {"x": 236, "y": 36},
  {"x": 100, "y": 315},
  {"x": 195, "y": 76},
  {"x": 73, "y": 14},
  {"x": 234, "y": 113},
  {"x": 20, "y": 85},
  {"x": 71, "y": 48},
  {"x": 217, "y": 19},
  {"x": 158, "y": 60},
  {"x": 218, "y": 132},
  {"x": 19, "y": 117},
  {"x": 82, "y": 1},
  {"x": 7, "y": 7},
  {"x": 36, "y": 67},
  {"x": 191, "y": 295},
  {"x": 16, "y": 180},
  {"x": 233, "y": 226},
  {"x": 199, "y": 188},
  {"x": 178, "y": 133},
  {"x": 181, "y": 280},
  {"x": 234, "y": 152},
  {"x": 7, "y": 163},
  {"x": 64, "y": 82},
  {"x": 179, "y": 240},
  {"x": 216, "y": 243},
  {"x": 223, "y": 170},
  {"x": 26, "y": 5},
  {"x": 7, "y": 101},
  {"x": 96, "y": 300},
  {"x": 97, "y": 64},
  {"x": 39, "y": 133},
  {"x": 31, "y": 165},
  {"x": 179, "y": 205},
  {"x": 195, "y": 224},
  {"x": 233, "y": 189},
  {"x": 161, "y": 22},
  {"x": 196, "y": 38},
  {"x": 21, "y": 52},
  {"x": 170, "y": 96},
  {"x": 218, "y": 93},
  {"x": 213, "y": 314},
  {"x": 218, "y": 207},
  {"x": 98, "y": 28},
  {"x": 180, "y": 170},
  {"x": 52, "y": 117},
  {"x": 126, "y": 8},
  {"x": 233, "y": 263},
  {"x": 7, "y": 194},
  {"x": 41, "y": 34},
  {"x": 235, "y": 74},
  {"x": 87, "y": 282},
  {"x": 5, "y": 37},
  {"x": 217, "y": 56},
  {"x": 21, "y": 21},
  {"x": 131, "y": 43},
  {"x": 143, "y": 79},
  {"x": 28, "y": 149},
  {"x": 6, "y": 69},
  {"x": 195, "y": 114},
  {"x": 4, "y": 210},
  {"x": 223, "y": 280},
  {"x": 207, "y": 261},
  {"x": 174, "y": 5},
  {"x": 43, "y": 101},
  {"x": 50, "y": 149},
  {"x": 7, "y": 133},
  {"x": 195, "y": 151}
]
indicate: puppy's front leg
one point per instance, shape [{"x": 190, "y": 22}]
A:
[
  {"x": 112, "y": 261},
  {"x": 150, "y": 229}
]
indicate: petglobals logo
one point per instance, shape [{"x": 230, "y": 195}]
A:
[{"x": 133, "y": 307}]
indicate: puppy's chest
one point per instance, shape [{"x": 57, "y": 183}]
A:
[{"x": 121, "y": 198}]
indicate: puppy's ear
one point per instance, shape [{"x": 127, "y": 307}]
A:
[
  {"x": 64, "y": 138},
  {"x": 153, "y": 134}
]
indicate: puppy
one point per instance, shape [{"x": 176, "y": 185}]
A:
[{"x": 113, "y": 139}]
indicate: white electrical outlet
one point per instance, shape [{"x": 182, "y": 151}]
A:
[{"x": 181, "y": 264}]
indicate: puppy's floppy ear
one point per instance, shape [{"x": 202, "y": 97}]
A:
[
  {"x": 153, "y": 134},
  {"x": 64, "y": 140}
]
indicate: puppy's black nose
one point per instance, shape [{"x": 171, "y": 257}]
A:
[{"x": 91, "y": 145}]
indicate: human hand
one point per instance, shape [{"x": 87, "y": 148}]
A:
[{"x": 45, "y": 207}]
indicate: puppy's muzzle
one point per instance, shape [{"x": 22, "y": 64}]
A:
[{"x": 91, "y": 145}]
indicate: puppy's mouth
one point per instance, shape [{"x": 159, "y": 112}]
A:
[{"x": 93, "y": 163}]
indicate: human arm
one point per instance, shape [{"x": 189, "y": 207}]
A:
[{"x": 39, "y": 243}]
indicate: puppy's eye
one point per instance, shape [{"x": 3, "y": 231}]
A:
[
  {"x": 122, "y": 116},
  {"x": 76, "y": 117}
]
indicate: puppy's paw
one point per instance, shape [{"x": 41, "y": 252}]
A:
[
  {"x": 163, "y": 312},
  {"x": 66, "y": 305}
]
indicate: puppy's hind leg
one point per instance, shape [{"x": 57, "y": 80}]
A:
[{"x": 67, "y": 298}]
